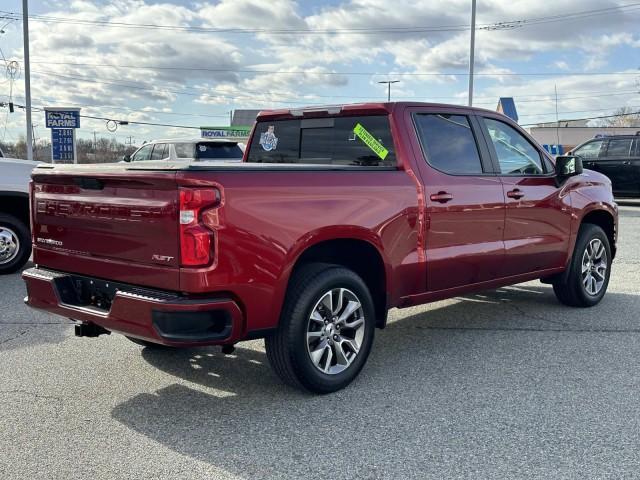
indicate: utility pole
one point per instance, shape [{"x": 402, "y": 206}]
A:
[
  {"x": 555, "y": 87},
  {"x": 27, "y": 76},
  {"x": 95, "y": 142},
  {"x": 389, "y": 82},
  {"x": 35, "y": 142},
  {"x": 472, "y": 47}
]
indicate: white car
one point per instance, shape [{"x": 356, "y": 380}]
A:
[
  {"x": 191, "y": 150},
  {"x": 15, "y": 238}
]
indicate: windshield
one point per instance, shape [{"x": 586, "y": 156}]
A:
[{"x": 218, "y": 150}]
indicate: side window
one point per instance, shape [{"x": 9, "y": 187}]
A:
[
  {"x": 448, "y": 143},
  {"x": 619, "y": 147},
  {"x": 589, "y": 151},
  {"x": 158, "y": 151},
  {"x": 143, "y": 154},
  {"x": 516, "y": 156},
  {"x": 185, "y": 150}
]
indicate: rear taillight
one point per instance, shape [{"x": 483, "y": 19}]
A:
[{"x": 195, "y": 237}]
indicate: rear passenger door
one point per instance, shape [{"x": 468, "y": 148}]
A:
[
  {"x": 464, "y": 200},
  {"x": 615, "y": 163}
]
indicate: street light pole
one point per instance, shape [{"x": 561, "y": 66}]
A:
[
  {"x": 27, "y": 77},
  {"x": 389, "y": 82},
  {"x": 472, "y": 47}
]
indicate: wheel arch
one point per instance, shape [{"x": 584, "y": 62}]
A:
[
  {"x": 352, "y": 249},
  {"x": 605, "y": 220},
  {"x": 15, "y": 204}
]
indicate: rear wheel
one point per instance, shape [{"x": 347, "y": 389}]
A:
[
  {"x": 15, "y": 244},
  {"x": 326, "y": 329},
  {"x": 586, "y": 282}
]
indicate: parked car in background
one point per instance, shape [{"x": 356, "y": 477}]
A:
[
  {"x": 617, "y": 157},
  {"x": 336, "y": 215},
  {"x": 15, "y": 238},
  {"x": 189, "y": 150}
]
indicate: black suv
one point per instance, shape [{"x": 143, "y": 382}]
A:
[{"x": 617, "y": 157}]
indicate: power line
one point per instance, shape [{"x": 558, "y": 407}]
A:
[
  {"x": 129, "y": 110},
  {"x": 199, "y": 93},
  {"x": 303, "y": 72},
  {"x": 107, "y": 80},
  {"x": 119, "y": 122},
  {"x": 501, "y": 25}
]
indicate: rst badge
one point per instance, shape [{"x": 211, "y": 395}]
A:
[{"x": 161, "y": 258}]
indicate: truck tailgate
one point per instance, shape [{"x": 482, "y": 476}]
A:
[{"x": 108, "y": 221}]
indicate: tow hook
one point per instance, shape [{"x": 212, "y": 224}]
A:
[
  {"x": 90, "y": 330},
  {"x": 228, "y": 349}
]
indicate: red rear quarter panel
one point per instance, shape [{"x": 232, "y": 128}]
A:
[{"x": 268, "y": 218}]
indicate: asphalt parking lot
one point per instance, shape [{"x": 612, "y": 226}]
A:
[{"x": 504, "y": 384}]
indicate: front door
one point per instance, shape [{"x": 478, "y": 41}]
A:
[
  {"x": 538, "y": 215},
  {"x": 464, "y": 200}
]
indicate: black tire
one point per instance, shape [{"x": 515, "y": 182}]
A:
[
  {"x": 287, "y": 349},
  {"x": 146, "y": 344},
  {"x": 13, "y": 227},
  {"x": 570, "y": 288}
]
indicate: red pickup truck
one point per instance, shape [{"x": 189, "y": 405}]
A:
[{"x": 336, "y": 215}]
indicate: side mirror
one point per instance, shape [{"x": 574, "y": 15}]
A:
[
  {"x": 126, "y": 158},
  {"x": 568, "y": 166}
]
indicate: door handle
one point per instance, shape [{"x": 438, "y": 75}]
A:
[
  {"x": 442, "y": 197},
  {"x": 515, "y": 193}
]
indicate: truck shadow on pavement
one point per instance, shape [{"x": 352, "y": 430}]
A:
[
  {"x": 438, "y": 381},
  {"x": 21, "y": 326}
]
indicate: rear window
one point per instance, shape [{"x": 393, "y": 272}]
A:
[
  {"x": 619, "y": 147},
  {"x": 218, "y": 150},
  {"x": 362, "y": 141}
]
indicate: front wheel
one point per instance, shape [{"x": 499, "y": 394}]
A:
[
  {"x": 587, "y": 279},
  {"x": 326, "y": 329}
]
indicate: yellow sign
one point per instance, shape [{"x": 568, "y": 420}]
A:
[{"x": 370, "y": 141}]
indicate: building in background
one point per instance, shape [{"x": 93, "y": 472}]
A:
[
  {"x": 572, "y": 133},
  {"x": 507, "y": 106}
]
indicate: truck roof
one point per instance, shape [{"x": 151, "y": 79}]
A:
[{"x": 368, "y": 108}]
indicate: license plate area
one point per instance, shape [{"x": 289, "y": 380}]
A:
[{"x": 85, "y": 292}]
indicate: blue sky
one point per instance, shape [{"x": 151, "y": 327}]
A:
[{"x": 187, "y": 73}]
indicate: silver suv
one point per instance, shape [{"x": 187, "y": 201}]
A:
[{"x": 193, "y": 150}]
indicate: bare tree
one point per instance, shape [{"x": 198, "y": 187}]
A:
[{"x": 626, "y": 117}]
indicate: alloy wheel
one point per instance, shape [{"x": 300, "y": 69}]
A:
[
  {"x": 594, "y": 267},
  {"x": 335, "y": 331}
]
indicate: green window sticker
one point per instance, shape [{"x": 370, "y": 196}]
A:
[{"x": 370, "y": 141}]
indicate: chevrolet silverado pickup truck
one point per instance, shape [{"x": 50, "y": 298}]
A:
[
  {"x": 335, "y": 215},
  {"x": 15, "y": 239}
]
